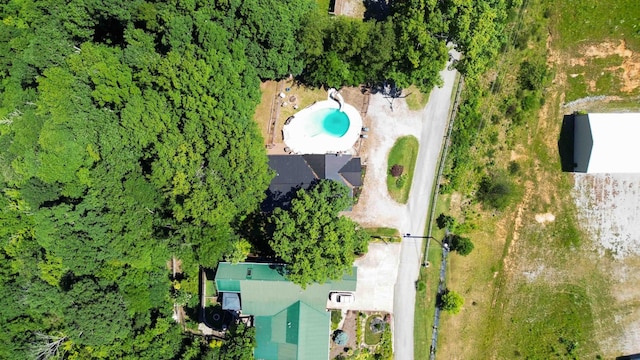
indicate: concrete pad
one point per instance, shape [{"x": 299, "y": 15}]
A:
[{"x": 377, "y": 274}]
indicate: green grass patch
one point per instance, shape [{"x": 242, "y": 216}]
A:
[
  {"x": 427, "y": 289},
  {"x": 404, "y": 153},
  {"x": 371, "y": 338},
  {"x": 384, "y": 233},
  {"x": 211, "y": 288},
  {"x": 558, "y": 323},
  {"x": 416, "y": 100},
  {"x": 565, "y": 230},
  {"x": 336, "y": 316},
  {"x": 576, "y": 87},
  {"x": 581, "y": 22}
]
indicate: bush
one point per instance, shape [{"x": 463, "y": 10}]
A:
[
  {"x": 532, "y": 74},
  {"x": 445, "y": 221},
  {"x": 496, "y": 192},
  {"x": 451, "y": 301},
  {"x": 401, "y": 181},
  {"x": 530, "y": 101},
  {"x": 336, "y": 316},
  {"x": 397, "y": 170},
  {"x": 461, "y": 245},
  {"x": 514, "y": 168},
  {"x": 340, "y": 337}
]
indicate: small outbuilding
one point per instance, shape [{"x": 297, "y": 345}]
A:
[{"x": 606, "y": 143}]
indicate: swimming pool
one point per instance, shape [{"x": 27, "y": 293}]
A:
[
  {"x": 323, "y": 127},
  {"x": 332, "y": 122}
]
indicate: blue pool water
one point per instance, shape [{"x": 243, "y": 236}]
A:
[{"x": 331, "y": 122}]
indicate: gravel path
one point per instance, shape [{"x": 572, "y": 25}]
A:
[{"x": 376, "y": 208}]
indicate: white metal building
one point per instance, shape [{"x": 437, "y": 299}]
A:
[{"x": 607, "y": 143}]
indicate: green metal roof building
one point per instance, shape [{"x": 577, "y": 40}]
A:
[{"x": 291, "y": 322}]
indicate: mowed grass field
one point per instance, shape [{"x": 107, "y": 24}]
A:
[{"x": 535, "y": 286}]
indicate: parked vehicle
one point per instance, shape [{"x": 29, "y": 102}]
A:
[{"x": 342, "y": 297}]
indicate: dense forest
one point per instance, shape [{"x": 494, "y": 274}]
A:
[{"x": 126, "y": 139}]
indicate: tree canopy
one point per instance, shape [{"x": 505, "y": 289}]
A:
[
  {"x": 127, "y": 138},
  {"x": 451, "y": 301},
  {"x": 461, "y": 245},
  {"x": 316, "y": 242},
  {"x": 406, "y": 45}
]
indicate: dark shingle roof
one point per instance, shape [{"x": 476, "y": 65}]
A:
[
  {"x": 294, "y": 172},
  {"x": 352, "y": 172}
]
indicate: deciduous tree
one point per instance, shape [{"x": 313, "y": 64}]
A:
[{"x": 316, "y": 242}]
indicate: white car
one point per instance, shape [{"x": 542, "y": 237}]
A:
[{"x": 342, "y": 297}]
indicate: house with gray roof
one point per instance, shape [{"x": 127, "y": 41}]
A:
[{"x": 294, "y": 172}]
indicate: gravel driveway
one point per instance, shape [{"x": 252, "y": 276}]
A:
[{"x": 376, "y": 208}]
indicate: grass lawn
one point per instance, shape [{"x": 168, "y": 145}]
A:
[
  {"x": 416, "y": 100},
  {"x": 211, "y": 288},
  {"x": 426, "y": 303},
  {"x": 404, "y": 152},
  {"x": 371, "y": 338},
  {"x": 384, "y": 233},
  {"x": 262, "y": 115},
  {"x": 427, "y": 289},
  {"x": 336, "y": 316},
  {"x": 583, "y": 22}
]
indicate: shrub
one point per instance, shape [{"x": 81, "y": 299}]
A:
[
  {"x": 401, "y": 181},
  {"x": 532, "y": 74},
  {"x": 445, "y": 221},
  {"x": 340, "y": 337},
  {"x": 530, "y": 101},
  {"x": 461, "y": 245},
  {"x": 359, "y": 328},
  {"x": 451, "y": 301},
  {"x": 496, "y": 192},
  {"x": 397, "y": 170},
  {"x": 336, "y": 316},
  {"x": 514, "y": 168}
]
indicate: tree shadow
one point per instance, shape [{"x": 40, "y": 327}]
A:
[
  {"x": 565, "y": 143},
  {"x": 376, "y": 9},
  {"x": 257, "y": 229},
  {"x": 386, "y": 88}
]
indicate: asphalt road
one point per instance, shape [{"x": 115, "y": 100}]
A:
[{"x": 432, "y": 135}]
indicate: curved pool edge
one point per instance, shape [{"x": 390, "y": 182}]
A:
[{"x": 297, "y": 140}]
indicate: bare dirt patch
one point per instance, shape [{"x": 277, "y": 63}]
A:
[
  {"x": 350, "y": 8},
  {"x": 545, "y": 218},
  {"x": 629, "y": 66}
]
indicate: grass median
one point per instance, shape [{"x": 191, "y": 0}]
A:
[{"x": 403, "y": 154}]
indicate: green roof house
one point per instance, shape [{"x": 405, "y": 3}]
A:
[{"x": 291, "y": 322}]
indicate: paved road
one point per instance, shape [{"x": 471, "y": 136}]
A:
[{"x": 433, "y": 131}]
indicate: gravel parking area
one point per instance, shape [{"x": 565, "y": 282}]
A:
[{"x": 377, "y": 274}]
